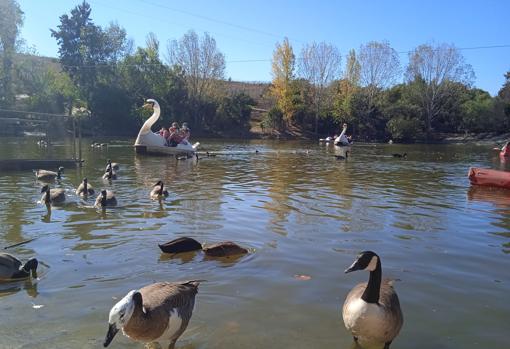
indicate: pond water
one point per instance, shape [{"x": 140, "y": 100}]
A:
[{"x": 299, "y": 211}]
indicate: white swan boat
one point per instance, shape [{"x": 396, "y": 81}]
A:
[{"x": 149, "y": 142}]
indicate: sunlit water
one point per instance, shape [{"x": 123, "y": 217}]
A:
[{"x": 299, "y": 211}]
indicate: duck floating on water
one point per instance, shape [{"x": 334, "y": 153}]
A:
[
  {"x": 158, "y": 191},
  {"x": 52, "y": 196},
  {"x": 45, "y": 175},
  {"x": 155, "y": 313},
  {"x": 106, "y": 199},
  {"x": 85, "y": 189},
  {"x": 11, "y": 268}
]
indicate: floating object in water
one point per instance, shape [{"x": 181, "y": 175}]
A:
[
  {"x": 179, "y": 245},
  {"x": 52, "y": 196},
  {"x": 149, "y": 142},
  {"x": 224, "y": 249},
  {"x": 11, "y": 268},
  {"x": 371, "y": 311},
  {"x": 157, "y": 312},
  {"x": 85, "y": 189},
  {"x": 487, "y": 177},
  {"x": 397, "y": 155},
  {"x": 45, "y": 175}
]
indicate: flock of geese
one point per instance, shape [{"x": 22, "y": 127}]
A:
[{"x": 160, "y": 312}]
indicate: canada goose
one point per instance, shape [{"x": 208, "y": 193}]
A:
[
  {"x": 52, "y": 196},
  {"x": 157, "y": 312},
  {"x": 209, "y": 155},
  {"x": 110, "y": 174},
  {"x": 45, "y": 175},
  {"x": 114, "y": 165},
  {"x": 224, "y": 249},
  {"x": 179, "y": 245},
  {"x": 371, "y": 311},
  {"x": 397, "y": 155},
  {"x": 342, "y": 157},
  {"x": 85, "y": 189},
  {"x": 11, "y": 267},
  {"x": 106, "y": 198},
  {"x": 158, "y": 191}
]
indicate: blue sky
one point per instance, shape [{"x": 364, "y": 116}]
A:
[{"x": 249, "y": 30}]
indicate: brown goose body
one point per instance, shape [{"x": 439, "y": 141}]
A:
[
  {"x": 159, "y": 191},
  {"x": 224, "y": 249},
  {"x": 85, "y": 189},
  {"x": 160, "y": 312},
  {"x": 52, "y": 196},
  {"x": 106, "y": 198},
  {"x": 45, "y": 175}
]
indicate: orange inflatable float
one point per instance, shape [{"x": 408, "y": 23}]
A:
[{"x": 487, "y": 177}]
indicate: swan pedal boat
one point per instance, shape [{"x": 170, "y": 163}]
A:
[{"x": 149, "y": 142}]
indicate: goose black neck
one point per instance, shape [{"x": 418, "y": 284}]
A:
[
  {"x": 161, "y": 189},
  {"x": 371, "y": 294},
  {"x": 47, "y": 197}
]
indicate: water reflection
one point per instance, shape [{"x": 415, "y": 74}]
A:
[{"x": 300, "y": 209}]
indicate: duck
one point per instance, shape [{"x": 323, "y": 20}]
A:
[
  {"x": 155, "y": 313},
  {"x": 180, "y": 245},
  {"x": 158, "y": 191},
  {"x": 397, "y": 155},
  {"x": 12, "y": 268},
  {"x": 110, "y": 174},
  {"x": 52, "y": 196},
  {"x": 85, "y": 189},
  {"x": 115, "y": 166},
  {"x": 106, "y": 198},
  {"x": 371, "y": 311},
  {"x": 45, "y": 175},
  {"x": 342, "y": 157},
  {"x": 224, "y": 249}
]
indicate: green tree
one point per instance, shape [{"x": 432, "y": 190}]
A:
[
  {"x": 283, "y": 76},
  {"x": 11, "y": 20}
]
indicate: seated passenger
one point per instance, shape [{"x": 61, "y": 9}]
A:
[
  {"x": 185, "y": 132},
  {"x": 174, "y": 127},
  {"x": 505, "y": 151}
]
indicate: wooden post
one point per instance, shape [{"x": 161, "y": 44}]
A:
[
  {"x": 79, "y": 139},
  {"x": 74, "y": 138}
]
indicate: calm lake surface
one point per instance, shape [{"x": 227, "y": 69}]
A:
[{"x": 299, "y": 212}]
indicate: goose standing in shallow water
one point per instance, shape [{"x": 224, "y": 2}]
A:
[
  {"x": 155, "y": 313},
  {"x": 12, "y": 268},
  {"x": 158, "y": 192},
  {"x": 85, "y": 189},
  {"x": 52, "y": 196},
  {"x": 371, "y": 311},
  {"x": 45, "y": 175},
  {"x": 106, "y": 198}
]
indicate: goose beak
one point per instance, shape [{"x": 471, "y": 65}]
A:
[
  {"x": 112, "y": 331},
  {"x": 353, "y": 267}
]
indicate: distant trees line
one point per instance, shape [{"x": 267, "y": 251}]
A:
[
  {"x": 436, "y": 95},
  {"x": 99, "y": 69}
]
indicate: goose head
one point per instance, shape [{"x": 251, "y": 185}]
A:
[
  {"x": 366, "y": 260},
  {"x": 121, "y": 313},
  {"x": 103, "y": 197},
  {"x": 59, "y": 171},
  {"x": 45, "y": 188},
  {"x": 31, "y": 266},
  {"x": 158, "y": 183}
]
